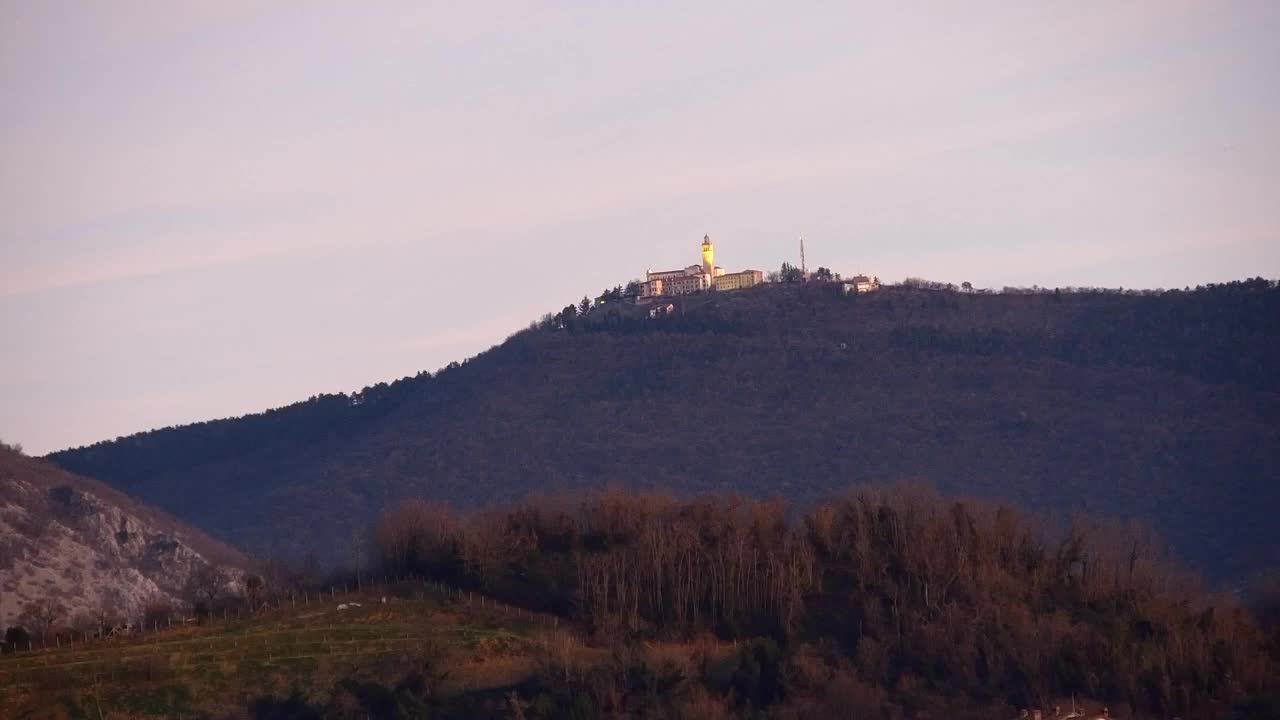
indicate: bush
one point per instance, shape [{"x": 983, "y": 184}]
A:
[{"x": 16, "y": 638}]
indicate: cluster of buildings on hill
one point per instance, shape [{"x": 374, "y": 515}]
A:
[{"x": 709, "y": 276}]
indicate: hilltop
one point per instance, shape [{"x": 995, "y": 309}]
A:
[
  {"x": 75, "y": 552},
  {"x": 1160, "y": 407}
]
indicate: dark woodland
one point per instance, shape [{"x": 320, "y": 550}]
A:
[
  {"x": 1157, "y": 407},
  {"x": 879, "y": 603}
]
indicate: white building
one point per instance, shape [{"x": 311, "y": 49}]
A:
[{"x": 860, "y": 284}]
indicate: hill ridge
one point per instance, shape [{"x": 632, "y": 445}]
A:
[{"x": 1158, "y": 407}]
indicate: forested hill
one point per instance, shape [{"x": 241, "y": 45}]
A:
[{"x": 1162, "y": 407}]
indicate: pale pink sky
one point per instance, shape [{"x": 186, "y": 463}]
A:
[{"x": 210, "y": 208}]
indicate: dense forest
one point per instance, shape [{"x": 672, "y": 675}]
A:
[
  {"x": 1160, "y": 407},
  {"x": 877, "y": 603}
]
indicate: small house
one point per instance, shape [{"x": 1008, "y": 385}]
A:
[
  {"x": 661, "y": 310},
  {"x": 859, "y": 284}
]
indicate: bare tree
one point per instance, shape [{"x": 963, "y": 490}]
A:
[
  {"x": 205, "y": 586},
  {"x": 156, "y": 610},
  {"x": 43, "y": 614},
  {"x": 407, "y": 536},
  {"x": 253, "y": 587},
  {"x": 359, "y": 551}
]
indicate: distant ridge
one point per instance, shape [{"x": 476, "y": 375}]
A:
[{"x": 1159, "y": 407}]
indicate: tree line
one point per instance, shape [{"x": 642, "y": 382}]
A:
[{"x": 917, "y": 593}]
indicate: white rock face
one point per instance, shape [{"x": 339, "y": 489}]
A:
[{"x": 90, "y": 548}]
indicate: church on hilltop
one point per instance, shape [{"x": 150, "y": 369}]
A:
[{"x": 707, "y": 276}]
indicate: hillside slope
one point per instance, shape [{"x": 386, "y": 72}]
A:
[
  {"x": 89, "y": 548},
  {"x": 1164, "y": 408}
]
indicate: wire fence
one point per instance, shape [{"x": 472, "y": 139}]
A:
[
  {"x": 168, "y": 648},
  {"x": 167, "y": 660}
]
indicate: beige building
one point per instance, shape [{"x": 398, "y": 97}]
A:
[
  {"x": 707, "y": 276},
  {"x": 738, "y": 280}
]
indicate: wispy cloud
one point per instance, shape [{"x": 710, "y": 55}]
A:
[
  {"x": 63, "y": 275},
  {"x": 287, "y": 198}
]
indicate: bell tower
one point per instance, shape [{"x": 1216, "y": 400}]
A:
[{"x": 708, "y": 256}]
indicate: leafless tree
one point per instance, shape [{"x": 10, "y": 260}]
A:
[
  {"x": 253, "y": 591},
  {"x": 359, "y": 551},
  {"x": 43, "y": 614},
  {"x": 206, "y": 585}
]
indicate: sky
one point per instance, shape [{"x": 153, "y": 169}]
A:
[{"x": 212, "y": 208}]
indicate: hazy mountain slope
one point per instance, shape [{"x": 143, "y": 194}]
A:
[
  {"x": 1165, "y": 408},
  {"x": 88, "y": 546}
]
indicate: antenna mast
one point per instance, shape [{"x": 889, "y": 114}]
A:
[{"x": 803, "y": 270}]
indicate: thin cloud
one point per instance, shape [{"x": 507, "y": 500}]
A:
[
  {"x": 66, "y": 275},
  {"x": 360, "y": 178}
]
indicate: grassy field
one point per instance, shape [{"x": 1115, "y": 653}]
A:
[{"x": 222, "y": 666}]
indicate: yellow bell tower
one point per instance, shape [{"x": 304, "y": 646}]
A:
[{"x": 708, "y": 256}]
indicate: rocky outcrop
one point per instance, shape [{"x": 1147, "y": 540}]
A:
[{"x": 90, "y": 550}]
